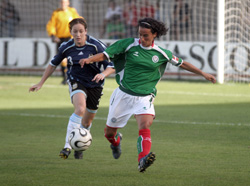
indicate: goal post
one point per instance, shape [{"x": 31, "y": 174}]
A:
[{"x": 220, "y": 41}]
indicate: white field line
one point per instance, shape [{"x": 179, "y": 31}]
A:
[
  {"x": 204, "y": 94},
  {"x": 159, "y": 92},
  {"x": 104, "y": 119}
]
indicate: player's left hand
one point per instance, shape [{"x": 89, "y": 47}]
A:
[
  {"x": 210, "y": 77},
  {"x": 98, "y": 77},
  {"x": 35, "y": 88}
]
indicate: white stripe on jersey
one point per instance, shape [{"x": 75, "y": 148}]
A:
[{"x": 161, "y": 51}]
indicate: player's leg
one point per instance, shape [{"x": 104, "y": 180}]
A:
[
  {"x": 92, "y": 103},
  {"x": 86, "y": 123},
  {"x": 78, "y": 98},
  {"x": 93, "y": 96},
  {"x": 144, "y": 139},
  {"x": 88, "y": 118},
  {"x": 79, "y": 102},
  {"x": 115, "y": 139},
  {"x": 119, "y": 114},
  {"x": 145, "y": 157},
  {"x": 144, "y": 117},
  {"x": 74, "y": 122}
]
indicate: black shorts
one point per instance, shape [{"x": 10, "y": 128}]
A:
[{"x": 93, "y": 94}]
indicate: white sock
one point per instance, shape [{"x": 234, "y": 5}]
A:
[{"x": 74, "y": 122}]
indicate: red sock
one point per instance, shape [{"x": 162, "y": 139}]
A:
[
  {"x": 143, "y": 143},
  {"x": 114, "y": 140}
]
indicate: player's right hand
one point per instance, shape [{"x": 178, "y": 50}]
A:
[
  {"x": 84, "y": 61},
  {"x": 55, "y": 39},
  {"x": 35, "y": 88}
]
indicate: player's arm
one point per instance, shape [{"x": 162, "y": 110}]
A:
[
  {"x": 47, "y": 73},
  {"x": 189, "y": 67},
  {"x": 95, "y": 58}
]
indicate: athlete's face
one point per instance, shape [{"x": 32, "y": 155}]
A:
[
  {"x": 79, "y": 32},
  {"x": 146, "y": 36},
  {"x": 64, "y": 4}
]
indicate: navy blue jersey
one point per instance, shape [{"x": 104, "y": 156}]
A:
[{"x": 74, "y": 53}]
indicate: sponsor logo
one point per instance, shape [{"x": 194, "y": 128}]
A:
[
  {"x": 136, "y": 53},
  {"x": 80, "y": 53},
  {"x": 155, "y": 59}
]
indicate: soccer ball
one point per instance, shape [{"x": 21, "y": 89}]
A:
[{"x": 80, "y": 139}]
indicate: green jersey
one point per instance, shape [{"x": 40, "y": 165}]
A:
[{"x": 138, "y": 68}]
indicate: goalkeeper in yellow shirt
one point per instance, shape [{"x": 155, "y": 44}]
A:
[{"x": 58, "y": 29}]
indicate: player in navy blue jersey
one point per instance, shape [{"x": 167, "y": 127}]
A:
[{"x": 85, "y": 84}]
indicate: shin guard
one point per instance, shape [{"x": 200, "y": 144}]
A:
[{"x": 143, "y": 143}]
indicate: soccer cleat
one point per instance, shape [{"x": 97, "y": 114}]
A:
[
  {"x": 146, "y": 161},
  {"x": 65, "y": 153},
  {"x": 64, "y": 82},
  {"x": 117, "y": 150},
  {"x": 78, "y": 154}
]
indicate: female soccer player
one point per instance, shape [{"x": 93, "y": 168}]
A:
[
  {"x": 85, "y": 84},
  {"x": 139, "y": 65}
]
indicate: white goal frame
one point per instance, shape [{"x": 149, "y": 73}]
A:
[{"x": 221, "y": 41}]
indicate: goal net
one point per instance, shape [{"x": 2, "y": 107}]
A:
[
  {"x": 237, "y": 41},
  {"x": 192, "y": 21}
]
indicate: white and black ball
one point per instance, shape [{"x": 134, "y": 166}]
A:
[{"x": 80, "y": 139}]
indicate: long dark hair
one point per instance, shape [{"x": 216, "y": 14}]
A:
[
  {"x": 154, "y": 25},
  {"x": 76, "y": 21}
]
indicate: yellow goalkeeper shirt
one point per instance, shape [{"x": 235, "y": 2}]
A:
[{"x": 58, "y": 23}]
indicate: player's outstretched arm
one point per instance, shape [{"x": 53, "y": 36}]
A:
[
  {"x": 95, "y": 58},
  {"x": 189, "y": 67},
  {"x": 48, "y": 71}
]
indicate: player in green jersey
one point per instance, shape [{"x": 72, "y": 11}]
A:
[{"x": 139, "y": 65}]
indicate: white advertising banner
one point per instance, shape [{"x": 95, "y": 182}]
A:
[
  {"x": 26, "y": 53},
  {"x": 35, "y": 53}
]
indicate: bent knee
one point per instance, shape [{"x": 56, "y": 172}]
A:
[{"x": 80, "y": 111}]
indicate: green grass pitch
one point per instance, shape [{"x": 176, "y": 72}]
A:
[{"x": 201, "y": 137}]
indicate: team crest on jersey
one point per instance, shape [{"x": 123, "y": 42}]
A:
[
  {"x": 155, "y": 59},
  {"x": 74, "y": 86},
  {"x": 175, "y": 59}
]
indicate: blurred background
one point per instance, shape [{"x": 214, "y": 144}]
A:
[{"x": 26, "y": 48}]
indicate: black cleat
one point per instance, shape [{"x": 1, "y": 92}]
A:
[
  {"x": 65, "y": 153},
  {"x": 64, "y": 82},
  {"x": 117, "y": 150},
  {"x": 78, "y": 154},
  {"x": 146, "y": 161}
]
